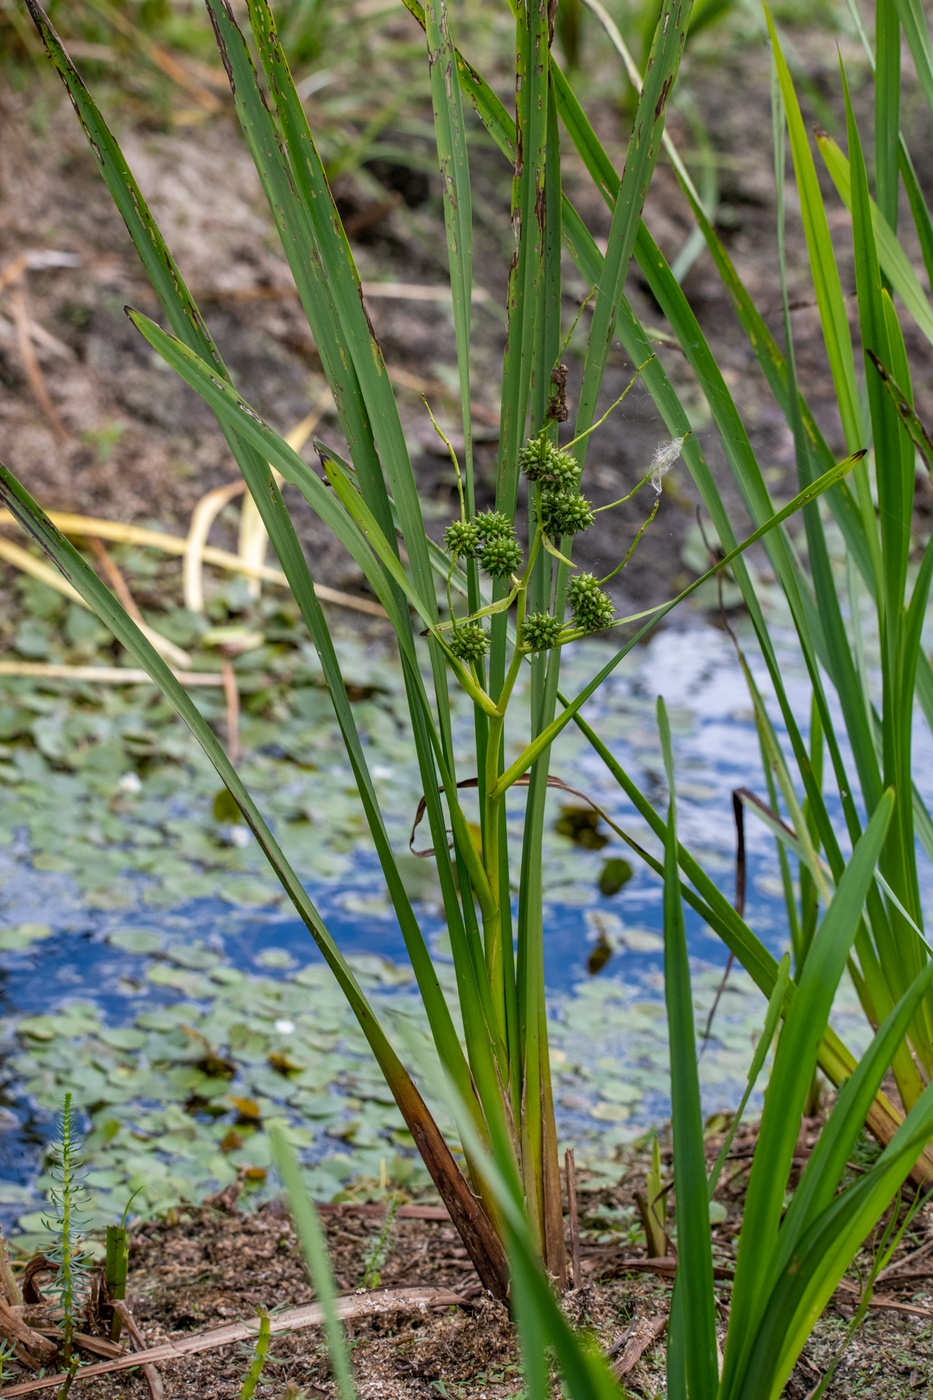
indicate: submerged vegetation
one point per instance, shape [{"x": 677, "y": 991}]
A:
[{"x": 485, "y": 616}]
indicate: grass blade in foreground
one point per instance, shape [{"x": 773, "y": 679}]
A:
[
  {"x": 691, "y": 1353},
  {"x": 315, "y": 1252}
]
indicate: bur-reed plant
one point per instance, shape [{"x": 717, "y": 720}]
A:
[
  {"x": 790, "y": 1256},
  {"x": 476, "y": 613}
]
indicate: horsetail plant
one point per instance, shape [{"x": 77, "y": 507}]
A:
[
  {"x": 509, "y": 610},
  {"x": 66, "y": 1224}
]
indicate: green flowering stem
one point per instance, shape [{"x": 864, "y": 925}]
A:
[
  {"x": 664, "y": 458},
  {"x": 635, "y": 543},
  {"x": 597, "y": 510},
  {"x": 545, "y": 739},
  {"x": 492, "y": 835},
  {"x": 493, "y": 806},
  {"x": 453, "y": 457}
]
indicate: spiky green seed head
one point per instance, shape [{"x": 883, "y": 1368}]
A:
[
  {"x": 592, "y": 608},
  {"x": 541, "y": 460},
  {"x": 461, "y": 539},
  {"x": 540, "y": 631},
  {"x": 493, "y": 525},
  {"x": 534, "y": 456},
  {"x": 564, "y": 515},
  {"x": 469, "y": 641},
  {"x": 563, "y": 472},
  {"x": 501, "y": 556}
]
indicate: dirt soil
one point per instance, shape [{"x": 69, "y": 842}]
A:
[{"x": 213, "y": 1266}]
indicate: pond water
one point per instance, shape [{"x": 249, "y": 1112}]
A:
[{"x": 148, "y": 966}]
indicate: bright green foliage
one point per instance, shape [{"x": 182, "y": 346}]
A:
[
  {"x": 260, "y": 1355},
  {"x": 67, "y": 1223},
  {"x": 314, "y": 1248},
  {"x": 499, "y": 1064},
  {"x": 116, "y": 1265},
  {"x": 790, "y": 1259}
]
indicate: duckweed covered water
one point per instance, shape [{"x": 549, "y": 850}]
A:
[{"x": 151, "y": 967}]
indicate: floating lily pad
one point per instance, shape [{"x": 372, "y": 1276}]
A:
[
  {"x": 23, "y": 936},
  {"x": 581, "y": 826},
  {"x": 135, "y": 940},
  {"x": 614, "y": 875}
]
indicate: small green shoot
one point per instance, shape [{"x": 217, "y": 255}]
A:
[
  {"x": 260, "y": 1355},
  {"x": 315, "y": 1252},
  {"x": 371, "y": 1276},
  {"x": 652, "y": 1207}
]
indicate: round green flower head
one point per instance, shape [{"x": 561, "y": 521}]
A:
[
  {"x": 469, "y": 641},
  {"x": 564, "y": 515},
  {"x": 461, "y": 539},
  {"x": 501, "y": 555},
  {"x": 540, "y": 631},
  {"x": 592, "y": 608},
  {"x": 541, "y": 461},
  {"x": 493, "y": 525},
  {"x": 534, "y": 456}
]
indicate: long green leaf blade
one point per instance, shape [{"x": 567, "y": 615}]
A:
[
  {"x": 314, "y": 1247},
  {"x": 825, "y": 1252},
  {"x": 823, "y": 266},
  {"x": 692, "y": 1336},
  {"x": 643, "y": 150}
]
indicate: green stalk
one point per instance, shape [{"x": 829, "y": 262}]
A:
[
  {"x": 257, "y": 1365},
  {"x": 692, "y": 1328}
]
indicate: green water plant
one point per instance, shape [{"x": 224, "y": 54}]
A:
[
  {"x": 510, "y": 595},
  {"x": 314, "y": 1248},
  {"x": 67, "y": 1223}
]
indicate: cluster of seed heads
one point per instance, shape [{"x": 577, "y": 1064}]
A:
[
  {"x": 489, "y": 537},
  {"x": 561, "y": 508},
  {"x": 592, "y": 608},
  {"x": 564, "y": 514},
  {"x": 541, "y": 461}
]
